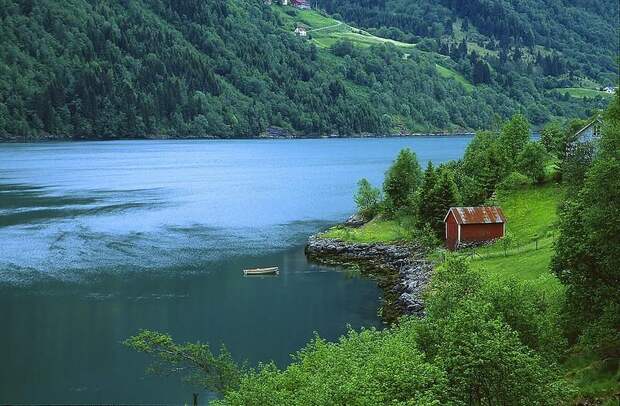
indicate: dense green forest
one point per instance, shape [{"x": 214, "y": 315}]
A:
[
  {"x": 226, "y": 68},
  {"x": 561, "y": 40}
]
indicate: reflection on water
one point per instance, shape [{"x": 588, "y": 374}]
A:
[{"x": 101, "y": 239}]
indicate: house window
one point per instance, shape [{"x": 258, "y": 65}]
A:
[{"x": 596, "y": 131}]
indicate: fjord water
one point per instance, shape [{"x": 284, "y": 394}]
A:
[{"x": 101, "y": 239}]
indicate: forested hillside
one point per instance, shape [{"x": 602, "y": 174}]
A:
[
  {"x": 555, "y": 43},
  {"x": 228, "y": 68}
]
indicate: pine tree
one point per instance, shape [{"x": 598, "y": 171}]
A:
[
  {"x": 425, "y": 210},
  {"x": 515, "y": 135},
  {"x": 402, "y": 179},
  {"x": 444, "y": 195}
]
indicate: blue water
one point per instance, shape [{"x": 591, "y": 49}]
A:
[{"x": 101, "y": 239}]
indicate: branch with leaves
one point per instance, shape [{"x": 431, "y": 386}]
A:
[{"x": 195, "y": 361}]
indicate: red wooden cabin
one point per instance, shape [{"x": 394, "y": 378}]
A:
[{"x": 470, "y": 225}]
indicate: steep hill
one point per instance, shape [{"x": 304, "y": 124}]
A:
[
  {"x": 228, "y": 68},
  {"x": 555, "y": 43}
]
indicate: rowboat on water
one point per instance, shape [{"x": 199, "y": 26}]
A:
[{"x": 274, "y": 270}]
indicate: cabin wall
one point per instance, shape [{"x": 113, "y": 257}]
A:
[
  {"x": 481, "y": 232},
  {"x": 452, "y": 232}
]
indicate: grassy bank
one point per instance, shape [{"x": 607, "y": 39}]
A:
[
  {"x": 375, "y": 231},
  {"x": 531, "y": 215}
]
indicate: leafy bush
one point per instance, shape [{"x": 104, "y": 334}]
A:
[
  {"x": 531, "y": 161},
  {"x": 480, "y": 343},
  {"x": 514, "y": 136},
  {"x": 602, "y": 336},
  {"x": 368, "y": 199},
  {"x": 484, "y": 166},
  {"x": 425, "y": 236},
  {"x": 428, "y": 45},
  {"x": 342, "y": 48},
  {"x": 514, "y": 181},
  {"x": 489, "y": 337},
  {"x": 402, "y": 180},
  {"x": 364, "y": 368}
]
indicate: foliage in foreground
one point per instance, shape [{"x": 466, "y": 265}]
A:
[
  {"x": 587, "y": 256},
  {"x": 198, "y": 364},
  {"x": 480, "y": 343}
]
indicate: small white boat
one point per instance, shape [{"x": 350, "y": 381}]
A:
[{"x": 274, "y": 270}]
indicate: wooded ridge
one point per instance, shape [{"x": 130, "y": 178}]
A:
[{"x": 223, "y": 68}]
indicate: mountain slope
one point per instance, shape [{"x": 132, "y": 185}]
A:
[
  {"x": 554, "y": 36},
  {"x": 227, "y": 69}
]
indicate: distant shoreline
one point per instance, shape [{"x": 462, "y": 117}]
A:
[{"x": 33, "y": 140}]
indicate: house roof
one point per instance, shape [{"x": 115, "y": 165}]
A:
[
  {"x": 477, "y": 215},
  {"x": 597, "y": 120}
]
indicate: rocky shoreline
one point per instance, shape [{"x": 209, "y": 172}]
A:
[{"x": 401, "y": 270}]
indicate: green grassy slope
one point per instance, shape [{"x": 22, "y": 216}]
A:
[
  {"x": 451, "y": 74},
  {"x": 376, "y": 230},
  {"x": 582, "y": 92},
  {"x": 325, "y": 31},
  {"x": 531, "y": 215}
]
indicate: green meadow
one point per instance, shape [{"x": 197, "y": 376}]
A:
[{"x": 581, "y": 92}]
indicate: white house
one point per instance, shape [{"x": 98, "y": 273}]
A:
[
  {"x": 301, "y": 31},
  {"x": 610, "y": 89}
]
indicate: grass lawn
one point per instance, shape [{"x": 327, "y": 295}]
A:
[
  {"x": 314, "y": 19},
  {"x": 450, "y": 74},
  {"x": 373, "y": 231},
  {"x": 592, "y": 378},
  {"x": 327, "y": 38},
  {"x": 530, "y": 212},
  {"x": 581, "y": 92}
]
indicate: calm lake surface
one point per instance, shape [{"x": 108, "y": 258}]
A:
[{"x": 101, "y": 239}]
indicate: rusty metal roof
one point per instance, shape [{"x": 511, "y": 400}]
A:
[{"x": 477, "y": 215}]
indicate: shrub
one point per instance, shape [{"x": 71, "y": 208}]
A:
[
  {"x": 514, "y": 181},
  {"x": 485, "y": 361},
  {"x": 402, "y": 180},
  {"x": 364, "y": 368},
  {"x": 602, "y": 336},
  {"x": 476, "y": 346},
  {"x": 531, "y": 161},
  {"x": 484, "y": 165},
  {"x": 426, "y": 237},
  {"x": 498, "y": 342},
  {"x": 367, "y": 199}
]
